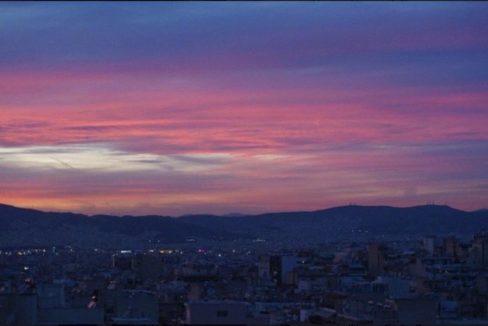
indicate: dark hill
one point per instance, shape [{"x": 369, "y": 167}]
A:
[{"x": 21, "y": 227}]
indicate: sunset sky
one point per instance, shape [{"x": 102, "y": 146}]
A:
[{"x": 195, "y": 107}]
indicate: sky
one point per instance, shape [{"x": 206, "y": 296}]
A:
[{"x": 200, "y": 107}]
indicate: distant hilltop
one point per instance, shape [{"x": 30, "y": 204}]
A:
[{"x": 28, "y": 227}]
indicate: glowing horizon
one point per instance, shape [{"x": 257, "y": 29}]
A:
[{"x": 180, "y": 108}]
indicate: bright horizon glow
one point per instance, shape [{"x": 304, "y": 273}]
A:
[{"x": 181, "y": 108}]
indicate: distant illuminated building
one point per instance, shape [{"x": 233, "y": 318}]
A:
[
  {"x": 376, "y": 259},
  {"x": 276, "y": 268},
  {"x": 479, "y": 250}
]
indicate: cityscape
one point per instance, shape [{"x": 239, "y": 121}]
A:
[
  {"x": 244, "y": 163},
  {"x": 419, "y": 279}
]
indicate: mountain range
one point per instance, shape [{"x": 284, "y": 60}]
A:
[{"x": 28, "y": 227}]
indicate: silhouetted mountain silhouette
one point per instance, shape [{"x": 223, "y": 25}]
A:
[{"x": 19, "y": 226}]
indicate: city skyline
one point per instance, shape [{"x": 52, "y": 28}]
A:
[{"x": 180, "y": 108}]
